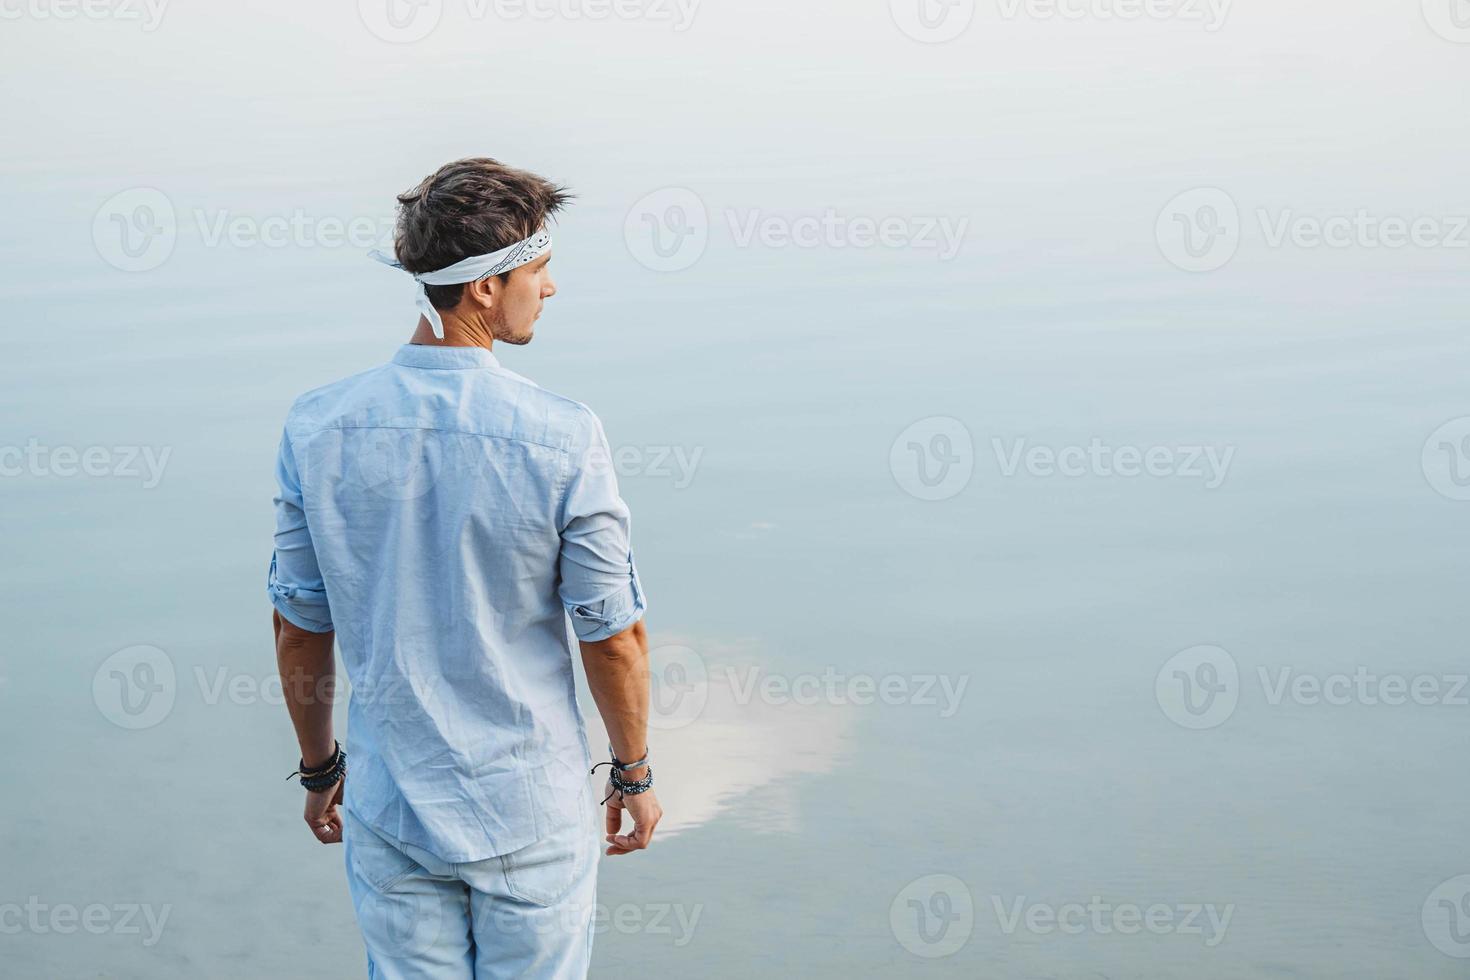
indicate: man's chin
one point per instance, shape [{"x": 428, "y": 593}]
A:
[{"x": 503, "y": 333}]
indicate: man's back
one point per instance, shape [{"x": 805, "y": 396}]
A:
[
  {"x": 455, "y": 513},
  {"x": 449, "y": 526}
]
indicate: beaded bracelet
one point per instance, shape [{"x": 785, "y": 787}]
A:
[
  {"x": 637, "y": 786},
  {"x": 621, "y": 786}
]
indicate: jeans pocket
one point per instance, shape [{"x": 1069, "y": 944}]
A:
[
  {"x": 376, "y": 861},
  {"x": 545, "y": 872}
]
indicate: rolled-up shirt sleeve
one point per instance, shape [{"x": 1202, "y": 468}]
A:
[
  {"x": 599, "y": 580},
  {"x": 295, "y": 585}
]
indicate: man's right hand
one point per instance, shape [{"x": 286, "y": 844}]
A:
[{"x": 644, "y": 810}]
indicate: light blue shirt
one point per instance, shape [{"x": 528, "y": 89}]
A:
[{"x": 456, "y": 524}]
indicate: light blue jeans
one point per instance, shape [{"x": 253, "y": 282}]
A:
[{"x": 527, "y": 914}]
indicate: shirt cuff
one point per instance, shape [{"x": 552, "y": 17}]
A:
[
  {"x": 607, "y": 617},
  {"x": 303, "y": 608}
]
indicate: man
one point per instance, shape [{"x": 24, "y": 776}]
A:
[{"x": 446, "y": 520}]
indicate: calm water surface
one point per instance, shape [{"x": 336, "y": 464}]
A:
[{"x": 858, "y": 689}]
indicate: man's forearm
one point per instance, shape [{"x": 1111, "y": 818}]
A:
[
  {"x": 617, "y": 673},
  {"x": 308, "y": 681}
]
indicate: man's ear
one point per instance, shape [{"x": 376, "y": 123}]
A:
[{"x": 482, "y": 293}]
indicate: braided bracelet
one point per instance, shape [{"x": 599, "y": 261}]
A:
[
  {"x": 625, "y": 766},
  {"x": 326, "y": 776}
]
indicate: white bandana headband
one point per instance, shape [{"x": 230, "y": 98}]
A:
[{"x": 472, "y": 269}]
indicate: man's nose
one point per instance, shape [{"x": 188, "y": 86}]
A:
[{"x": 548, "y": 290}]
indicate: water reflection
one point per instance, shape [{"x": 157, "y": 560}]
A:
[{"x": 719, "y": 729}]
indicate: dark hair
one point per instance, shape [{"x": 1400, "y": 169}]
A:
[{"x": 470, "y": 207}]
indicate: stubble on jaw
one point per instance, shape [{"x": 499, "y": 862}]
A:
[{"x": 500, "y": 330}]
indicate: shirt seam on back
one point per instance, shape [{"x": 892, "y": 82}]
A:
[{"x": 455, "y": 431}]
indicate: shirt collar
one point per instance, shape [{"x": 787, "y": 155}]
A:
[{"x": 444, "y": 358}]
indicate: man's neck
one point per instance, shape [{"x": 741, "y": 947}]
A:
[{"x": 457, "y": 333}]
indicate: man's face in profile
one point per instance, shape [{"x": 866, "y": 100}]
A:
[{"x": 519, "y": 301}]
